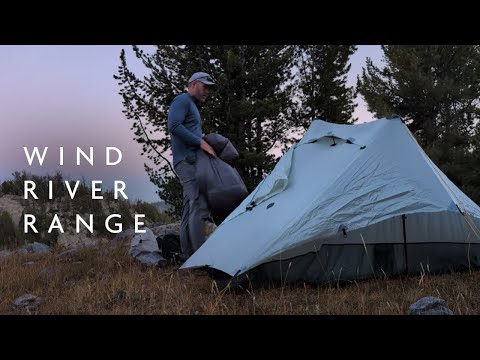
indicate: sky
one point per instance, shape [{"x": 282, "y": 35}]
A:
[{"x": 65, "y": 96}]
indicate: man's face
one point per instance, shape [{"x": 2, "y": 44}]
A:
[{"x": 200, "y": 91}]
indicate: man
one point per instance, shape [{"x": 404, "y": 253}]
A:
[{"x": 185, "y": 127}]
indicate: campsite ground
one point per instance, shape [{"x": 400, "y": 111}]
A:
[{"x": 106, "y": 280}]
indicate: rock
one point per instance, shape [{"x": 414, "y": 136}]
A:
[
  {"x": 28, "y": 301},
  {"x": 163, "y": 230},
  {"x": 35, "y": 247},
  {"x": 430, "y": 305}
]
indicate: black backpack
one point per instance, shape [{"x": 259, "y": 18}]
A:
[{"x": 169, "y": 246}]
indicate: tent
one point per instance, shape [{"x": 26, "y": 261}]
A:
[{"x": 347, "y": 202}]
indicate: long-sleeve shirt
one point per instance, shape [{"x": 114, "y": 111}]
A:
[{"x": 185, "y": 127}]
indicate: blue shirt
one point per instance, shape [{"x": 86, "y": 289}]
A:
[{"x": 185, "y": 127}]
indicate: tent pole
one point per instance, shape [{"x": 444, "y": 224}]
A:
[{"x": 405, "y": 243}]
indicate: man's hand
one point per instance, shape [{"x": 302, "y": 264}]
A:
[{"x": 207, "y": 148}]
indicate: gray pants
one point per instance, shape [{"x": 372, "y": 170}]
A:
[{"x": 195, "y": 210}]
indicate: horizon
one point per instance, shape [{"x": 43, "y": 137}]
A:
[{"x": 65, "y": 96}]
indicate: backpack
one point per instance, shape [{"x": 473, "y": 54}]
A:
[{"x": 169, "y": 246}]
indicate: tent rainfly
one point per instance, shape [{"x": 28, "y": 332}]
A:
[{"x": 347, "y": 202}]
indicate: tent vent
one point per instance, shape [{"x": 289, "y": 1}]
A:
[
  {"x": 270, "y": 205},
  {"x": 362, "y": 147}
]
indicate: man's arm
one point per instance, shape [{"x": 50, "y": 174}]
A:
[{"x": 176, "y": 117}]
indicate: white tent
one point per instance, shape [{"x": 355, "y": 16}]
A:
[{"x": 348, "y": 202}]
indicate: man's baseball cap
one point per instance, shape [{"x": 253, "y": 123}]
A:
[{"x": 202, "y": 77}]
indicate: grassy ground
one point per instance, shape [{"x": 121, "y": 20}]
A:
[{"x": 106, "y": 280}]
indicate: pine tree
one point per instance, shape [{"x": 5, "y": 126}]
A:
[
  {"x": 252, "y": 104},
  {"x": 322, "y": 78},
  {"x": 435, "y": 88}
]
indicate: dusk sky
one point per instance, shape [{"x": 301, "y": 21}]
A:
[{"x": 66, "y": 96}]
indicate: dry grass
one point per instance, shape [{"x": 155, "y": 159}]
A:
[{"x": 106, "y": 280}]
